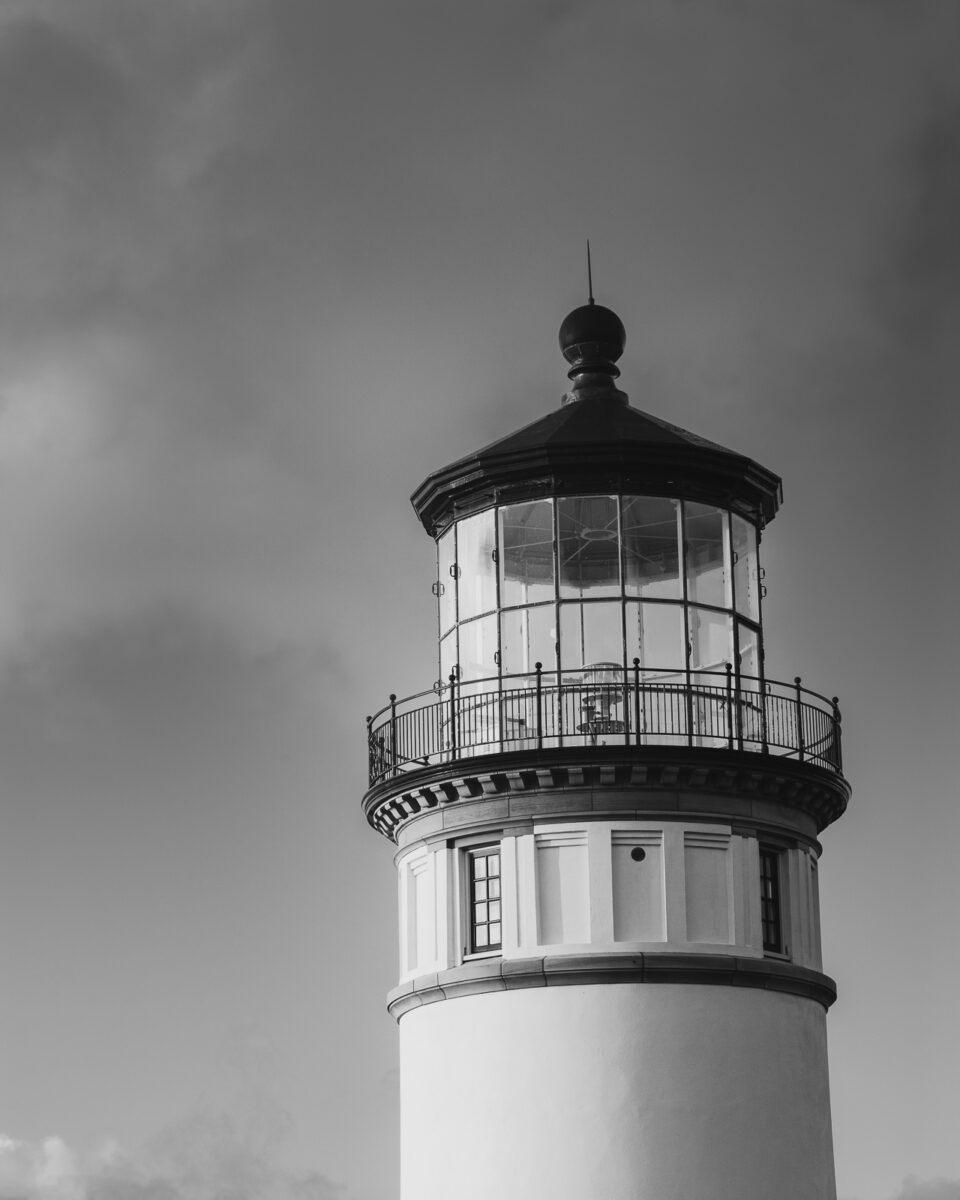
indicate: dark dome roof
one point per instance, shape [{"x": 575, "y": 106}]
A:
[
  {"x": 596, "y": 447},
  {"x": 592, "y": 325}
]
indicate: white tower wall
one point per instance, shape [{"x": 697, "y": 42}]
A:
[{"x": 618, "y": 1092}]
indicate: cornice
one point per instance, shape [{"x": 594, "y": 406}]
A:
[
  {"x": 511, "y": 974},
  {"x": 650, "y": 781}
]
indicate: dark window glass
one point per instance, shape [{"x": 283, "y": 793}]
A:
[
  {"x": 484, "y": 871},
  {"x": 770, "y": 900}
]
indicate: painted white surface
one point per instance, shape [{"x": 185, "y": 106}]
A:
[
  {"x": 616, "y": 1092},
  {"x": 573, "y": 888},
  {"x": 638, "y": 904}
]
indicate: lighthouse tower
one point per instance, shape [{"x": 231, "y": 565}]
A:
[{"x": 607, "y": 820}]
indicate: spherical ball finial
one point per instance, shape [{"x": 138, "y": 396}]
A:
[{"x": 592, "y": 333}]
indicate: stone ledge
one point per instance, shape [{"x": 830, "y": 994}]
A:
[{"x": 718, "y": 970}]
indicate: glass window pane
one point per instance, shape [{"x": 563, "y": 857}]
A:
[
  {"x": 711, "y": 641},
  {"x": 651, "y": 547},
  {"x": 495, "y": 934},
  {"x": 655, "y": 636},
  {"x": 446, "y": 558},
  {"x": 480, "y": 866},
  {"x": 481, "y": 913},
  {"x": 745, "y": 573},
  {"x": 495, "y": 910},
  {"x": 480, "y": 889},
  {"x": 478, "y": 647},
  {"x": 705, "y": 534},
  {"x": 749, "y": 655},
  {"x": 476, "y": 581},
  {"x": 481, "y": 935},
  {"x": 448, "y": 655},
  {"x": 493, "y": 864},
  {"x": 591, "y": 635},
  {"x": 528, "y": 636},
  {"x": 588, "y": 546},
  {"x": 526, "y": 553},
  {"x": 494, "y": 888}
]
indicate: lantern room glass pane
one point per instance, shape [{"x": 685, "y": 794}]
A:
[
  {"x": 705, "y": 536},
  {"x": 591, "y": 635},
  {"x": 588, "y": 546},
  {"x": 651, "y": 547},
  {"x": 478, "y": 648},
  {"x": 655, "y": 636},
  {"x": 448, "y": 655},
  {"x": 528, "y": 636},
  {"x": 526, "y": 553},
  {"x": 446, "y": 560},
  {"x": 745, "y": 569},
  {"x": 749, "y": 655},
  {"x": 711, "y": 640},
  {"x": 476, "y": 568}
]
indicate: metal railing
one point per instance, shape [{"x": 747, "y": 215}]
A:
[{"x": 603, "y": 705}]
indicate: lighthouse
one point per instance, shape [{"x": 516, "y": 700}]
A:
[{"x": 607, "y": 821}]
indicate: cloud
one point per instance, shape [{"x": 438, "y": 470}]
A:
[
  {"x": 929, "y": 1189},
  {"x": 46, "y": 1170},
  {"x": 204, "y": 1157}
]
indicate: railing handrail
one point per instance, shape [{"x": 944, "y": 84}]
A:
[{"x": 463, "y": 718}]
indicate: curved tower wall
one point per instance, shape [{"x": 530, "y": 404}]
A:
[{"x": 619, "y": 1092}]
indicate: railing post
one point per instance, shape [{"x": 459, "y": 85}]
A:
[
  {"x": 370, "y": 762},
  {"x": 800, "y": 744},
  {"x": 393, "y": 733},
  {"x": 539, "y": 669},
  {"x": 636, "y": 697},
  {"x": 453, "y": 714},
  {"x": 838, "y": 753},
  {"x": 764, "y": 735},
  {"x": 729, "y": 669},
  {"x": 738, "y": 710}
]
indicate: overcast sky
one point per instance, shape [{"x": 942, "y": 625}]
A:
[{"x": 263, "y": 266}]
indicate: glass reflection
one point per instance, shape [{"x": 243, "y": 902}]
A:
[
  {"x": 588, "y": 546},
  {"x": 745, "y": 581},
  {"x": 651, "y": 540},
  {"x": 446, "y": 559},
  {"x": 711, "y": 640},
  {"x": 476, "y": 581},
  {"x": 478, "y": 648},
  {"x": 706, "y": 552},
  {"x": 528, "y": 636},
  {"x": 655, "y": 636},
  {"x": 590, "y": 635},
  {"x": 448, "y": 655},
  {"x": 526, "y": 553}
]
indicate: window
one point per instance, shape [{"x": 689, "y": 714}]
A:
[
  {"x": 770, "y": 916},
  {"x": 483, "y": 865}
]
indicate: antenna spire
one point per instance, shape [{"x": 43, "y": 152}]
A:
[{"x": 589, "y": 274}]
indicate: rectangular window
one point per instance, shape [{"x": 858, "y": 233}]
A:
[
  {"x": 770, "y": 915},
  {"x": 483, "y": 865}
]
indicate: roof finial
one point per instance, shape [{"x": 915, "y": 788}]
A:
[{"x": 589, "y": 274}]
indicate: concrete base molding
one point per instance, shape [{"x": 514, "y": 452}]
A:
[{"x": 510, "y": 974}]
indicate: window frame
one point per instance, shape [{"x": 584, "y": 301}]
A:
[
  {"x": 469, "y": 854},
  {"x": 773, "y": 856}
]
